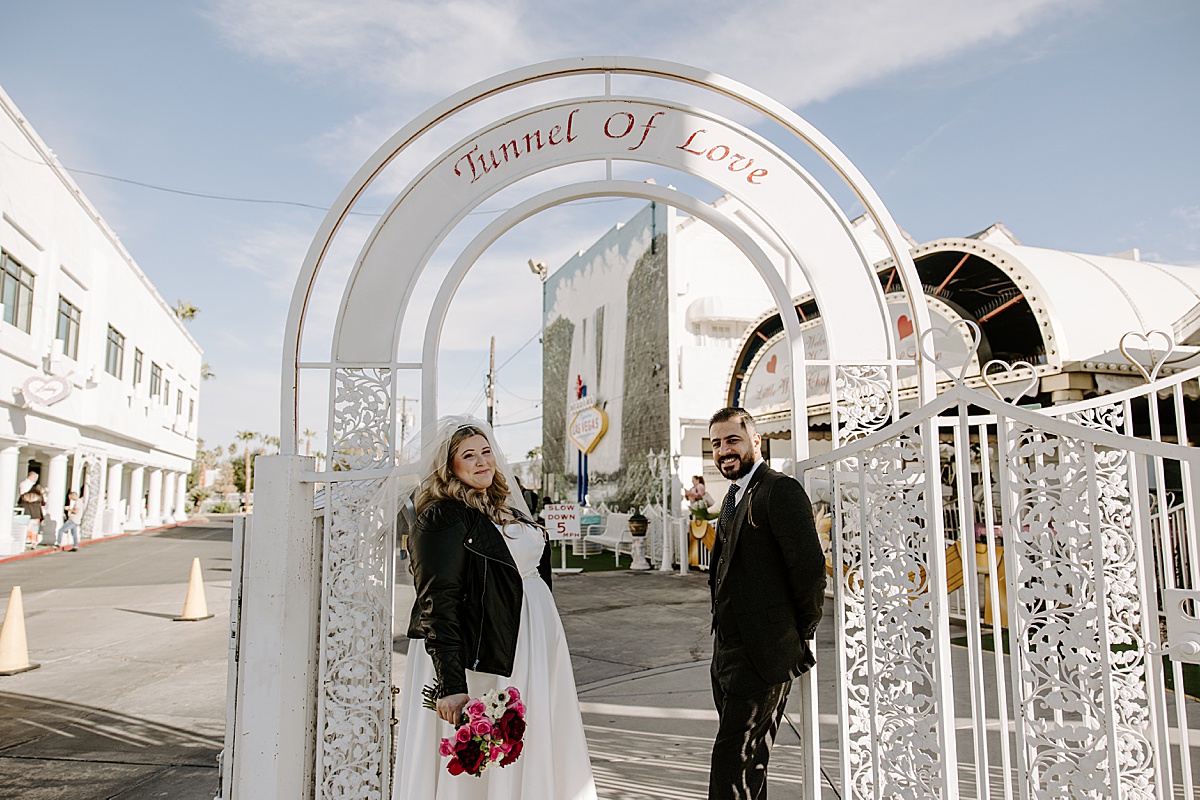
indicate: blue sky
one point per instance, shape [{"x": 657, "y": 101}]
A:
[{"x": 1073, "y": 122}]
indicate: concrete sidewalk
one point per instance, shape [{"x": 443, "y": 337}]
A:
[{"x": 129, "y": 704}]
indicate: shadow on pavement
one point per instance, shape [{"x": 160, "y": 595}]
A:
[
  {"x": 53, "y": 749},
  {"x": 148, "y": 613},
  {"x": 216, "y": 533}
]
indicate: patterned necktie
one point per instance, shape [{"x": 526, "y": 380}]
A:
[{"x": 727, "y": 508}]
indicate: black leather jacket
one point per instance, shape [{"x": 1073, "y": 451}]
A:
[{"x": 469, "y": 594}]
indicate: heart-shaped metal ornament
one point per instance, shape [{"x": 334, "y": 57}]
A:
[
  {"x": 973, "y": 337},
  {"x": 995, "y": 380},
  {"x": 1156, "y": 364}
]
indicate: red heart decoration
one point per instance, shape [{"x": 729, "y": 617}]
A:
[
  {"x": 771, "y": 364},
  {"x": 904, "y": 326}
]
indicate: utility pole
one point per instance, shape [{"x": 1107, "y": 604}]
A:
[{"x": 491, "y": 385}]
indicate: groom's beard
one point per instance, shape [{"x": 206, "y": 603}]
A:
[{"x": 736, "y": 466}]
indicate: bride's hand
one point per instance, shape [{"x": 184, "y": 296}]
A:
[{"x": 450, "y": 707}]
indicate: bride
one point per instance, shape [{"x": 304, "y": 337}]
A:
[{"x": 484, "y": 619}]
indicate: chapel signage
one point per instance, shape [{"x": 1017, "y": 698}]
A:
[
  {"x": 45, "y": 390},
  {"x": 672, "y": 134}
]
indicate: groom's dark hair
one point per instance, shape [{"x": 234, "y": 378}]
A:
[{"x": 739, "y": 414}]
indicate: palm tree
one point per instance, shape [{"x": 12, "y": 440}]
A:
[
  {"x": 247, "y": 437},
  {"x": 308, "y": 435},
  {"x": 185, "y": 310},
  {"x": 206, "y": 372}
]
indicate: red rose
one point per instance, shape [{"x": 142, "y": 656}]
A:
[
  {"x": 514, "y": 753},
  {"x": 471, "y": 757},
  {"x": 511, "y": 727},
  {"x": 454, "y": 768}
]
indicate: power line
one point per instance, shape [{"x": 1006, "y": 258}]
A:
[
  {"x": 206, "y": 196},
  {"x": 518, "y": 422},
  {"x": 259, "y": 200},
  {"x": 536, "y": 334},
  {"x": 519, "y": 397}
]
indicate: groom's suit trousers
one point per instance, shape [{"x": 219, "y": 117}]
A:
[{"x": 749, "y": 710}]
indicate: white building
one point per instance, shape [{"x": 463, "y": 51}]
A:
[
  {"x": 99, "y": 380},
  {"x": 663, "y": 335}
]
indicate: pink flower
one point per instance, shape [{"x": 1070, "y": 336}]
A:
[
  {"x": 463, "y": 734},
  {"x": 513, "y": 695},
  {"x": 446, "y": 748},
  {"x": 476, "y": 709},
  {"x": 481, "y": 727},
  {"x": 518, "y": 707}
]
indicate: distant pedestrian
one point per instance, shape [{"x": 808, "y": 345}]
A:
[
  {"x": 74, "y": 509},
  {"x": 31, "y": 503},
  {"x": 30, "y": 481}
]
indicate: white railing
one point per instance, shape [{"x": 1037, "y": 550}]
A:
[{"x": 1085, "y": 529}]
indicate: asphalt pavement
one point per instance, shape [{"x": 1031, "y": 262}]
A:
[
  {"x": 127, "y": 703},
  {"x": 130, "y": 704}
]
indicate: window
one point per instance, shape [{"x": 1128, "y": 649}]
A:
[
  {"x": 191, "y": 411},
  {"x": 137, "y": 366},
  {"x": 114, "y": 354},
  {"x": 166, "y": 395},
  {"x": 179, "y": 402},
  {"x": 68, "y": 327},
  {"x": 155, "y": 379},
  {"x": 16, "y": 292}
]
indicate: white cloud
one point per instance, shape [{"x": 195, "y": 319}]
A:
[
  {"x": 1190, "y": 216},
  {"x": 795, "y": 50},
  {"x": 397, "y": 45},
  {"x": 800, "y": 51}
]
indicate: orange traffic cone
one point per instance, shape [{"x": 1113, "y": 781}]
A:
[
  {"x": 14, "y": 653},
  {"x": 194, "y": 605}
]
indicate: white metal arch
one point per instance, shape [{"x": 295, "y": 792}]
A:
[
  {"x": 740, "y": 238},
  {"x": 343, "y": 557},
  {"x": 790, "y": 202},
  {"x": 549, "y": 71}
]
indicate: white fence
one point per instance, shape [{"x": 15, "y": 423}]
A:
[{"x": 1053, "y": 681}]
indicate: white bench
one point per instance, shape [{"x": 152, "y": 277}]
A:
[
  {"x": 616, "y": 536},
  {"x": 583, "y": 545}
]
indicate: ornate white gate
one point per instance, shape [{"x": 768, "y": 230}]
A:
[{"x": 1050, "y": 681}]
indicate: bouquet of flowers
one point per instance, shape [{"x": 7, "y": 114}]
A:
[{"x": 492, "y": 731}]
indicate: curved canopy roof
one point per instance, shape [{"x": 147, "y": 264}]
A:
[{"x": 1086, "y": 303}]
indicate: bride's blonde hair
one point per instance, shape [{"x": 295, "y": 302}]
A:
[{"x": 443, "y": 484}]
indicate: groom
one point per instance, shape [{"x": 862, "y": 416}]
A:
[{"x": 767, "y": 577}]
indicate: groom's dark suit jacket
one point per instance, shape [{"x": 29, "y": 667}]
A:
[{"x": 767, "y": 576}]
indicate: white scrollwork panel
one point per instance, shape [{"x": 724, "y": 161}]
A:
[
  {"x": 362, "y": 419},
  {"x": 1069, "y": 716},
  {"x": 1109, "y": 418},
  {"x": 354, "y": 697},
  {"x": 864, "y": 400},
  {"x": 892, "y": 695}
]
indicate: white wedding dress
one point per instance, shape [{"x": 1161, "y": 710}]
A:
[{"x": 554, "y": 763}]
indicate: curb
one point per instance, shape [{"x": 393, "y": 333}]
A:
[{"x": 50, "y": 549}]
